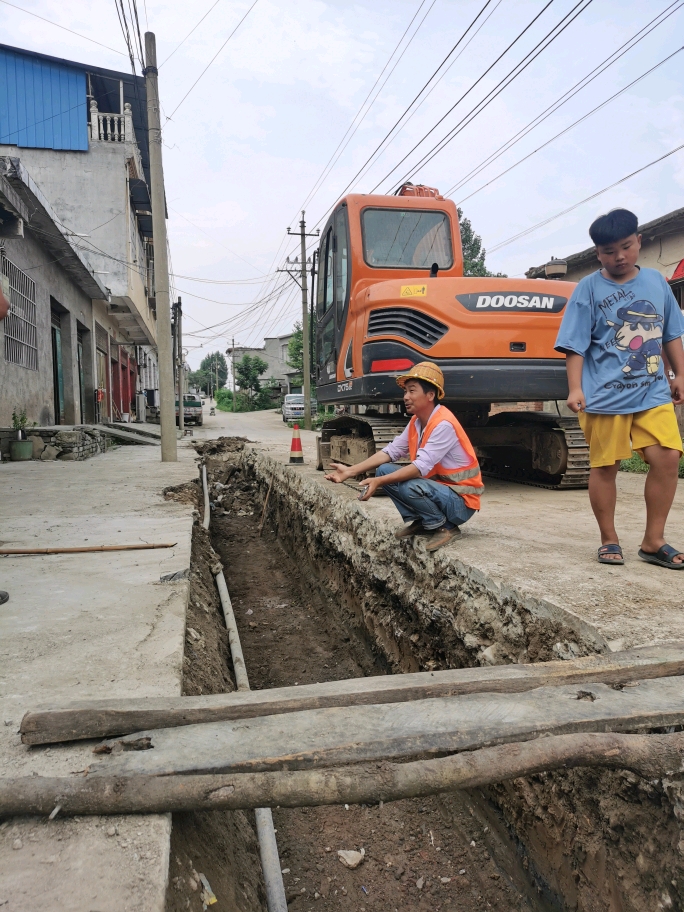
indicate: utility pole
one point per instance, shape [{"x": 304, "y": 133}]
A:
[
  {"x": 232, "y": 364},
  {"x": 216, "y": 371},
  {"x": 167, "y": 407},
  {"x": 181, "y": 372},
  {"x": 306, "y": 360}
]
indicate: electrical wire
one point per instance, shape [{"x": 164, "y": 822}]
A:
[
  {"x": 430, "y": 91},
  {"x": 212, "y": 59},
  {"x": 593, "y": 74},
  {"x": 178, "y": 46},
  {"x": 63, "y": 27},
  {"x": 123, "y": 22},
  {"x": 587, "y": 199},
  {"x": 571, "y": 126},
  {"x": 354, "y": 126},
  {"x": 510, "y": 77}
]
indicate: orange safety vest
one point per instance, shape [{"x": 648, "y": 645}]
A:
[{"x": 467, "y": 480}]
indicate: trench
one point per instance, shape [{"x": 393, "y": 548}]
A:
[{"x": 306, "y": 613}]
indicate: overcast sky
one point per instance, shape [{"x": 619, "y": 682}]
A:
[{"x": 247, "y": 146}]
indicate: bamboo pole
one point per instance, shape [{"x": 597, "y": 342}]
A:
[
  {"x": 86, "y": 549},
  {"x": 650, "y": 756}
]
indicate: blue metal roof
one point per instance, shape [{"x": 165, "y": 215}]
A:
[{"x": 42, "y": 103}]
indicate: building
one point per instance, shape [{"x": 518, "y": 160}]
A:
[
  {"x": 76, "y": 136},
  {"x": 662, "y": 248},
  {"x": 274, "y": 353}
]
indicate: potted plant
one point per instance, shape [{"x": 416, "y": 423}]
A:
[{"x": 20, "y": 449}]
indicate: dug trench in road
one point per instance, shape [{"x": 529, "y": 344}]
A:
[{"x": 424, "y": 854}]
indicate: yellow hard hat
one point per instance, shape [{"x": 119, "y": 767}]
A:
[{"x": 428, "y": 371}]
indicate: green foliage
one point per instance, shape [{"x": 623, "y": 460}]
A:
[
  {"x": 224, "y": 399},
  {"x": 205, "y": 377},
  {"x": 19, "y": 419},
  {"x": 295, "y": 348},
  {"x": 473, "y": 251},
  {"x": 247, "y": 372},
  {"x": 637, "y": 465}
]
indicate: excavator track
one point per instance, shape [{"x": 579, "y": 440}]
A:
[{"x": 575, "y": 476}]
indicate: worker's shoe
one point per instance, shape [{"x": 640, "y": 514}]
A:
[
  {"x": 413, "y": 528},
  {"x": 4, "y": 596},
  {"x": 441, "y": 537}
]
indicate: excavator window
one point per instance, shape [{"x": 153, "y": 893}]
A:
[
  {"x": 324, "y": 292},
  {"x": 341, "y": 262},
  {"x": 406, "y": 238}
]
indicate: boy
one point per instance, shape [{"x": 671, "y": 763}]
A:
[
  {"x": 440, "y": 489},
  {"x": 616, "y": 326}
]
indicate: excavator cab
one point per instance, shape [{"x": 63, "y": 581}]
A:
[{"x": 391, "y": 292}]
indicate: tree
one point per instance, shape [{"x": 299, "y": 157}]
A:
[
  {"x": 473, "y": 251},
  {"x": 247, "y": 372},
  {"x": 295, "y": 349},
  {"x": 205, "y": 377}
]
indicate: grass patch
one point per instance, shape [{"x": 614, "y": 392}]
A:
[{"x": 636, "y": 464}]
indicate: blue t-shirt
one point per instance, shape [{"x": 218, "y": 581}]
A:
[{"x": 620, "y": 330}]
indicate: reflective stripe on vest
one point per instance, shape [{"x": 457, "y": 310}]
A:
[{"x": 468, "y": 479}]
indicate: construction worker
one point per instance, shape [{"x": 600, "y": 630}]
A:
[
  {"x": 440, "y": 489},
  {"x": 4, "y": 309}
]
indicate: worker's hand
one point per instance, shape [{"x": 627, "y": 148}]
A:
[
  {"x": 677, "y": 390},
  {"x": 339, "y": 474},
  {"x": 370, "y": 486},
  {"x": 576, "y": 401}
]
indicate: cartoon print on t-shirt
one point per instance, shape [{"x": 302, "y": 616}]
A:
[{"x": 640, "y": 333}]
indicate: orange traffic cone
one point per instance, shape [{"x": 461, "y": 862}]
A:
[{"x": 296, "y": 454}]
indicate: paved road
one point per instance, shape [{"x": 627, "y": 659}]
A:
[{"x": 540, "y": 542}]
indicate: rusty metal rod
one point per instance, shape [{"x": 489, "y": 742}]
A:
[{"x": 86, "y": 548}]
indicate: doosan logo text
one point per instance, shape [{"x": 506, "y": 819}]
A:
[{"x": 512, "y": 301}]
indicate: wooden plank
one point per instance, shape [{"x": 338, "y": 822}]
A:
[
  {"x": 105, "y": 718},
  {"x": 326, "y": 737},
  {"x": 650, "y": 756}
]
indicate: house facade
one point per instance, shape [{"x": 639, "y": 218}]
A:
[
  {"x": 274, "y": 353},
  {"x": 76, "y": 137}
]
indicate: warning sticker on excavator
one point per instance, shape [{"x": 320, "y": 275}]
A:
[{"x": 413, "y": 291}]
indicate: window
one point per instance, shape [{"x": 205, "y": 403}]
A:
[
  {"x": 406, "y": 238},
  {"x": 324, "y": 295},
  {"x": 327, "y": 344},
  {"x": 341, "y": 261},
  {"x": 21, "y": 334}
]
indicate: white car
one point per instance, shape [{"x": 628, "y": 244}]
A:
[{"x": 293, "y": 407}]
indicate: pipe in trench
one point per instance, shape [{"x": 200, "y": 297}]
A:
[{"x": 268, "y": 847}]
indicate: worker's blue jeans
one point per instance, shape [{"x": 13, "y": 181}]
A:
[{"x": 435, "y": 504}]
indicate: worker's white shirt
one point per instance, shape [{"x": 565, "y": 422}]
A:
[{"x": 443, "y": 447}]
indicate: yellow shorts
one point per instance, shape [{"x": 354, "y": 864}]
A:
[{"x": 613, "y": 437}]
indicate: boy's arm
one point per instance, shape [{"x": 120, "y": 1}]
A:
[
  {"x": 675, "y": 355},
  {"x": 573, "y": 365}
]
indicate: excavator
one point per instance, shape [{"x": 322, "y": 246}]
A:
[{"x": 391, "y": 292}]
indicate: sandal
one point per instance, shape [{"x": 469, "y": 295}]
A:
[
  {"x": 604, "y": 550},
  {"x": 664, "y": 557}
]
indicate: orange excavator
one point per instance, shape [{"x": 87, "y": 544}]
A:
[{"x": 390, "y": 293}]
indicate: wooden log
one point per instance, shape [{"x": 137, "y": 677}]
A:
[
  {"x": 331, "y": 737},
  {"x": 650, "y": 756},
  {"x": 86, "y": 549},
  {"x": 105, "y": 718}
]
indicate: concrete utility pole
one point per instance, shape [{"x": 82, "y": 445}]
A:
[
  {"x": 167, "y": 406},
  {"x": 306, "y": 360},
  {"x": 179, "y": 362},
  {"x": 232, "y": 364}
]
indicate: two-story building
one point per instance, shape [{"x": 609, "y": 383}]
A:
[
  {"x": 76, "y": 136},
  {"x": 274, "y": 353}
]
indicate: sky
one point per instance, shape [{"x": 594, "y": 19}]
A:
[{"x": 300, "y": 82}]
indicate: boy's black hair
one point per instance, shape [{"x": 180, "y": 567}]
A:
[{"x": 613, "y": 226}]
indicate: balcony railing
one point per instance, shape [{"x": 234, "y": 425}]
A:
[{"x": 111, "y": 127}]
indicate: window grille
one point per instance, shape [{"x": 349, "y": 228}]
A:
[{"x": 21, "y": 334}]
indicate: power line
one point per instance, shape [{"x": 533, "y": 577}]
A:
[
  {"x": 354, "y": 126},
  {"x": 572, "y": 125},
  {"x": 510, "y": 77},
  {"x": 406, "y": 110},
  {"x": 212, "y": 59},
  {"x": 216, "y": 3},
  {"x": 197, "y": 228},
  {"x": 432, "y": 89},
  {"x": 571, "y": 92},
  {"x": 587, "y": 199},
  {"x": 63, "y": 27}
]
